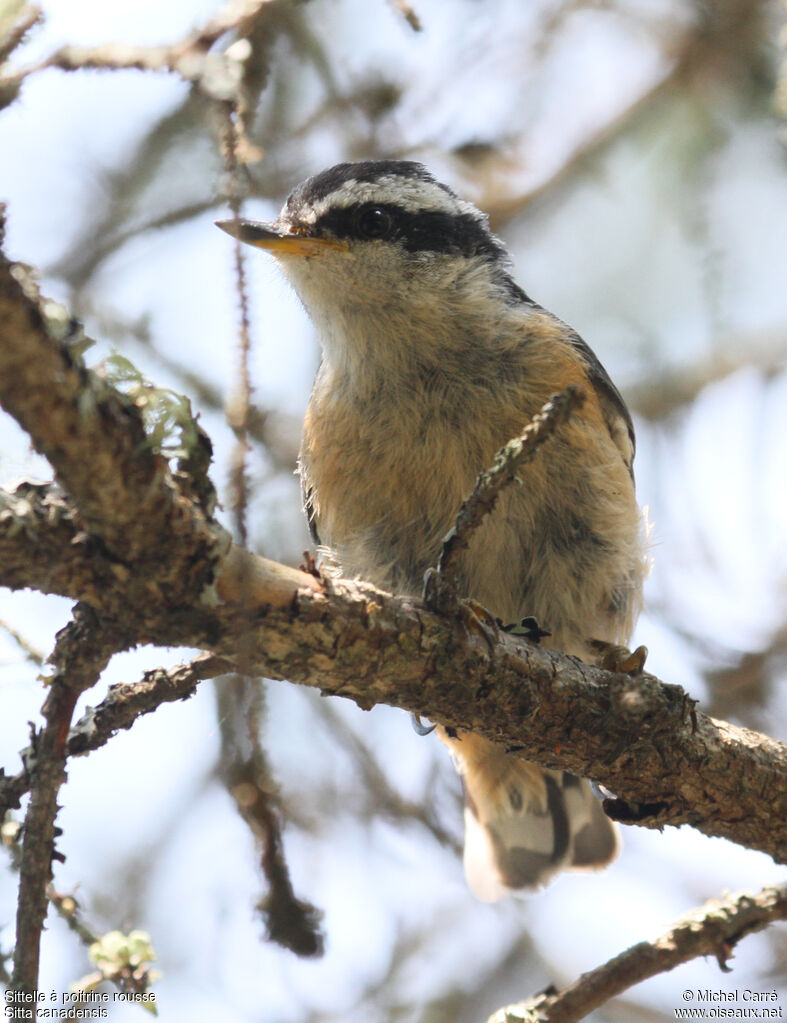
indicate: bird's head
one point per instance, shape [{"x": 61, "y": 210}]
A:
[{"x": 381, "y": 249}]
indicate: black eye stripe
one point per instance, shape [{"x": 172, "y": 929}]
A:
[
  {"x": 374, "y": 222},
  {"x": 419, "y": 231}
]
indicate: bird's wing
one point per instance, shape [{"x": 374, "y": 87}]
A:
[{"x": 616, "y": 415}]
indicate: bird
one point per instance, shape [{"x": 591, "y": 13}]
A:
[{"x": 433, "y": 357}]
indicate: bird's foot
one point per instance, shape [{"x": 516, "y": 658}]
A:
[
  {"x": 612, "y": 657},
  {"x": 309, "y": 565},
  {"x": 475, "y": 619}
]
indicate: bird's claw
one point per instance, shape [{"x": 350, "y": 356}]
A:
[
  {"x": 476, "y": 618},
  {"x": 419, "y": 727},
  {"x": 309, "y": 565},
  {"x": 612, "y": 657}
]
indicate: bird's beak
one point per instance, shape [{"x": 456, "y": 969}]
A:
[{"x": 277, "y": 240}]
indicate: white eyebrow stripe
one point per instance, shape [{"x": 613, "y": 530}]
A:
[{"x": 411, "y": 195}]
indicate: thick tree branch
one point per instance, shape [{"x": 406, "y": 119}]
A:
[
  {"x": 95, "y": 440},
  {"x": 44, "y": 546},
  {"x": 638, "y": 736},
  {"x": 713, "y": 929}
]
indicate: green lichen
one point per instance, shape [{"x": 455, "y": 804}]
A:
[{"x": 169, "y": 422}]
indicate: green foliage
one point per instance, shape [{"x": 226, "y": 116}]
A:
[{"x": 169, "y": 421}]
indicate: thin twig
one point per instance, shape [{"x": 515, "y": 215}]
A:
[
  {"x": 409, "y": 15},
  {"x": 490, "y": 484},
  {"x": 290, "y": 921},
  {"x": 713, "y": 929},
  {"x": 68, "y": 908},
  {"x": 27, "y": 19},
  {"x": 30, "y": 652},
  {"x": 241, "y": 410},
  {"x": 192, "y": 57},
  {"x": 126, "y": 702},
  {"x": 714, "y": 40},
  {"x": 120, "y": 708},
  {"x": 81, "y": 653}
]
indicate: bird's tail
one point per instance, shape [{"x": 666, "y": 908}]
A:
[{"x": 523, "y": 823}]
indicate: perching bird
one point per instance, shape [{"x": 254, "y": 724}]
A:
[{"x": 432, "y": 358}]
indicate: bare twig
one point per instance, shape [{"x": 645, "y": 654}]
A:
[
  {"x": 121, "y": 212},
  {"x": 82, "y": 651},
  {"x": 121, "y": 707},
  {"x": 720, "y": 40},
  {"x": 17, "y": 29},
  {"x": 713, "y": 929},
  {"x": 409, "y": 15},
  {"x": 490, "y": 484},
  {"x": 665, "y": 393},
  {"x": 30, "y": 652},
  {"x": 748, "y": 678},
  {"x": 290, "y": 921},
  {"x": 126, "y": 702},
  {"x": 100, "y": 239},
  {"x": 217, "y": 74}
]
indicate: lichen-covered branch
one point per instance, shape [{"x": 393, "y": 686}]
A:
[
  {"x": 95, "y": 440},
  {"x": 81, "y": 653},
  {"x": 44, "y": 546},
  {"x": 668, "y": 763},
  {"x": 713, "y": 929},
  {"x": 640, "y": 737},
  {"x": 508, "y": 461},
  {"x": 218, "y": 74}
]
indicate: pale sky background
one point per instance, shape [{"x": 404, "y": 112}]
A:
[{"x": 661, "y": 256}]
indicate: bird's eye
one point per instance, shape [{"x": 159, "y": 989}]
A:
[{"x": 374, "y": 222}]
